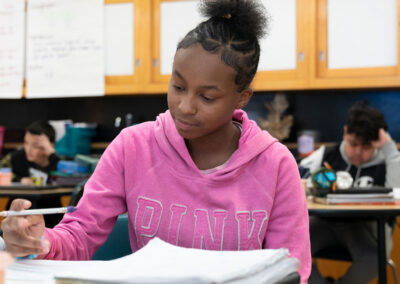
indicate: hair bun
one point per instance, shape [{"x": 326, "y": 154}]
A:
[{"x": 247, "y": 16}]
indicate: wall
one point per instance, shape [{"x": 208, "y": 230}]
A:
[
  {"x": 17, "y": 114},
  {"x": 324, "y": 111}
]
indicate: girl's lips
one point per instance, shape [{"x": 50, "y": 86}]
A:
[{"x": 184, "y": 125}]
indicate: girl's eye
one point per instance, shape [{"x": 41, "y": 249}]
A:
[
  {"x": 178, "y": 88},
  {"x": 207, "y": 99}
]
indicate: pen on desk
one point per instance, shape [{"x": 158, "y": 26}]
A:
[
  {"x": 60, "y": 210},
  {"x": 327, "y": 165}
]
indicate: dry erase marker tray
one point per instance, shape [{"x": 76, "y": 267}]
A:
[{"x": 321, "y": 192}]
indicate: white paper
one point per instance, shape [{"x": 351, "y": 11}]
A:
[
  {"x": 160, "y": 262},
  {"x": 65, "y": 48},
  {"x": 12, "y": 17}
]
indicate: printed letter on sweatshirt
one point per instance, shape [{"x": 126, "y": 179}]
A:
[
  {"x": 250, "y": 240},
  {"x": 203, "y": 233},
  {"x": 147, "y": 219},
  {"x": 177, "y": 212}
]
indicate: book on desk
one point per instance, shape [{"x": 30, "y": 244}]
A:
[
  {"x": 352, "y": 196},
  {"x": 160, "y": 262}
]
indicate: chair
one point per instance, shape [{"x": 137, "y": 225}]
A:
[
  {"x": 77, "y": 193},
  {"x": 340, "y": 253},
  {"x": 117, "y": 244}
]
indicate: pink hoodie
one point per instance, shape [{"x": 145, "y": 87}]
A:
[{"x": 256, "y": 201}]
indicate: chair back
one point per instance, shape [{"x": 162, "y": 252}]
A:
[
  {"x": 77, "y": 193},
  {"x": 117, "y": 244}
]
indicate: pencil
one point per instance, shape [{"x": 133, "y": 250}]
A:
[
  {"x": 60, "y": 210},
  {"x": 327, "y": 165}
]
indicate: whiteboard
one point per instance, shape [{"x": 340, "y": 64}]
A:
[
  {"x": 12, "y": 28},
  {"x": 65, "y": 48},
  {"x": 368, "y": 39}
]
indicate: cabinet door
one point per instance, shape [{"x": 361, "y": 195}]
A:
[
  {"x": 358, "y": 43},
  {"x": 172, "y": 20},
  {"x": 126, "y": 32},
  {"x": 285, "y": 53}
]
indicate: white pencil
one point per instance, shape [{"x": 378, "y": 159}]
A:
[{"x": 60, "y": 210}]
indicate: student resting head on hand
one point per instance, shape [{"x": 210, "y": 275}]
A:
[
  {"x": 33, "y": 163},
  {"x": 369, "y": 155},
  {"x": 37, "y": 158}
]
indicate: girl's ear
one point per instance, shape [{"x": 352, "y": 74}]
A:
[{"x": 244, "y": 98}]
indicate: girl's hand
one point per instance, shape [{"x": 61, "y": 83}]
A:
[
  {"x": 22, "y": 234},
  {"x": 45, "y": 145},
  {"x": 383, "y": 138}
]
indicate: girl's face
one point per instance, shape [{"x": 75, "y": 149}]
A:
[{"x": 202, "y": 93}]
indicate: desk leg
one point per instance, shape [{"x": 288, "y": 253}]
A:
[{"x": 381, "y": 252}]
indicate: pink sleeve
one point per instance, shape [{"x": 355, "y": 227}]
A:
[
  {"x": 288, "y": 223},
  {"x": 79, "y": 234}
]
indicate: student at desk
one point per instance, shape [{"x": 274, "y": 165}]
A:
[
  {"x": 32, "y": 164},
  {"x": 368, "y": 153},
  {"x": 203, "y": 175}
]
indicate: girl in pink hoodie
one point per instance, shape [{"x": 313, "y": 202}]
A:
[{"x": 202, "y": 175}]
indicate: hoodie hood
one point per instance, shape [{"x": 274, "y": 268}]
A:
[{"x": 253, "y": 141}]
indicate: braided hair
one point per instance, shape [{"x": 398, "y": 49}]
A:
[{"x": 233, "y": 30}]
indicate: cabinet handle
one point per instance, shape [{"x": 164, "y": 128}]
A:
[
  {"x": 301, "y": 56},
  {"x": 321, "y": 55},
  {"x": 137, "y": 62},
  {"x": 155, "y": 62}
]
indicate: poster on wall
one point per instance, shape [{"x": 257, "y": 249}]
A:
[
  {"x": 12, "y": 17},
  {"x": 65, "y": 48}
]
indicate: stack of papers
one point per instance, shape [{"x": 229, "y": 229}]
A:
[
  {"x": 160, "y": 262},
  {"x": 392, "y": 197}
]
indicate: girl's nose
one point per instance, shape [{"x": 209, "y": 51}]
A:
[{"x": 187, "y": 104}]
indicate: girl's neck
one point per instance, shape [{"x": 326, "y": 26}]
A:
[{"x": 215, "y": 149}]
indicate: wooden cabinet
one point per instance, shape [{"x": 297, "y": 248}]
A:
[
  {"x": 311, "y": 44},
  {"x": 158, "y": 27},
  {"x": 127, "y": 33},
  {"x": 172, "y": 20},
  {"x": 357, "y": 44},
  {"x": 285, "y": 53}
]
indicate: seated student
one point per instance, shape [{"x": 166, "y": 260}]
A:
[
  {"x": 371, "y": 157},
  {"x": 32, "y": 164},
  {"x": 203, "y": 175}
]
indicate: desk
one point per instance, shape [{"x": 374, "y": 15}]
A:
[
  {"x": 34, "y": 193},
  {"x": 380, "y": 213}
]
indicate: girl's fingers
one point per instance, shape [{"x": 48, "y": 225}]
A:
[
  {"x": 19, "y": 243},
  {"x": 20, "y": 204}
]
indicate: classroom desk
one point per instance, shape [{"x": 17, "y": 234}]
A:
[
  {"x": 34, "y": 193},
  {"x": 380, "y": 213}
]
